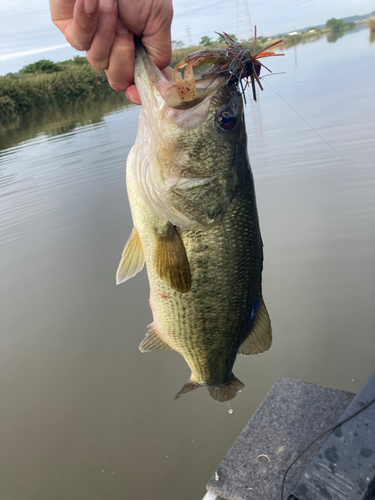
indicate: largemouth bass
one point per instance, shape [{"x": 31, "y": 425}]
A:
[{"x": 196, "y": 225}]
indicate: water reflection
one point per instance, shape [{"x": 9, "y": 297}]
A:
[
  {"x": 334, "y": 36},
  {"x": 57, "y": 119}
]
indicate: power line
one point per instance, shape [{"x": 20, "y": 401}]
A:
[
  {"x": 21, "y": 33},
  {"x": 24, "y": 14}
]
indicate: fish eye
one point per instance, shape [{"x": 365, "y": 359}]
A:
[{"x": 227, "y": 119}]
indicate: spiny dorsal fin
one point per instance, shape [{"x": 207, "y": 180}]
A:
[
  {"x": 226, "y": 392},
  {"x": 152, "y": 342},
  {"x": 189, "y": 386},
  {"x": 170, "y": 260},
  {"x": 132, "y": 260},
  {"x": 260, "y": 336}
]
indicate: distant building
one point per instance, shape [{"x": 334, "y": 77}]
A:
[
  {"x": 293, "y": 33},
  {"x": 311, "y": 31}
]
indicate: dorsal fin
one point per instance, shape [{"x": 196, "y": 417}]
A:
[
  {"x": 152, "y": 342},
  {"x": 132, "y": 260},
  {"x": 170, "y": 259},
  {"x": 260, "y": 336}
]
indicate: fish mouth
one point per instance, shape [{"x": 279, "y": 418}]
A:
[{"x": 159, "y": 87}]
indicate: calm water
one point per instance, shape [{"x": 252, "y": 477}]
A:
[{"x": 85, "y": 415}]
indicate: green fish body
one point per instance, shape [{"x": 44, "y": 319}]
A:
[{"x": 196, "y": 227}]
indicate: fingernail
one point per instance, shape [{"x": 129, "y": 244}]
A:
[
  {"x": 120, "y": 28},
  {"x": 130, "y": 98},
  {"x": 89, "y": 6},
  {"x": 107, "y": 4}
]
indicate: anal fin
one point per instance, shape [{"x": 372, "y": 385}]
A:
[
  {"x": 152, "y": 342},
  {"x": 188, "y": 387},
  {"x": 170, "y": 259},
  {"x": 260, "y": 336},
  {"x": 132, "y": 260}
]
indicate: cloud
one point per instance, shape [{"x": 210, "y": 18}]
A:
[{"x": 37, "y": 50}]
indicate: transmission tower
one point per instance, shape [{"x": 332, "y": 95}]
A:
[
  {"x": 244, "y": 25},
  {"x": 188, "y": 34}
]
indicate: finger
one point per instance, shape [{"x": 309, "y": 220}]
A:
[
  {"x": 98, "y": 53},
  {"x": 156, "y": 36},
  {"x": 61, "y": 11},
  {"x": 132, "y": 94},
  {"x": 120, "y": 72},
  {"x": 81, "y": 30}
]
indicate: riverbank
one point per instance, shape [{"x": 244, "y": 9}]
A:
[{"x": 20, "y": 92}]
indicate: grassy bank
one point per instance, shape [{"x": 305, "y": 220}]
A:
[{"x": 21, "y": 92}]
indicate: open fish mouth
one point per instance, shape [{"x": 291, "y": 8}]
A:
[{"x": 167, "y": 87}]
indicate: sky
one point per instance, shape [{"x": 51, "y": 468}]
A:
[{"x": 28, "y": 35}]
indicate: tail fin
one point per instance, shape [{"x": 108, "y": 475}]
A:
[{"x": 226, "y": 392}]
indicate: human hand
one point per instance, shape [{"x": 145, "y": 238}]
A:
[{"x": 105, "y": 29}]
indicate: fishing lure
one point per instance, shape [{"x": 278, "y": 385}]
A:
[{"x": 236, "y": 62}]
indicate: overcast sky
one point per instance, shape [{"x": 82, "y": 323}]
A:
[{"x": 27, "y": 34}]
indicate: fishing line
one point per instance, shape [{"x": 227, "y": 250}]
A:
[
  {"x": 317, "y": 133},
  {"x": 331, "y": 429}
]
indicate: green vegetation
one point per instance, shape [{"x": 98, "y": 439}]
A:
[
  {"x": 42, "y": 66},
  {"x": 221, "y": 39},
  {"x": 177, "y": 44},
  {"x": 44, "y": 82},
  {"x": 206, "y": 41},
  {"x": 337, "y": 28},
  {"x": 371, "y": 24},
  {"x": 335, "y": 24},
  {"x": 338, "y": 25}
]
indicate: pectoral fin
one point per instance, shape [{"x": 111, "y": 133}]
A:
[
  {"x": 260, "y": 336},
  {"x": 170, "y": 260},
  {"x": 132, "y": 260}
]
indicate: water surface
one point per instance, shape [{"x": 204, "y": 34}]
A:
[{"x": 84, "y": 414}]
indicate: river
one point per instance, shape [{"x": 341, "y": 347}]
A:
[{"x": 85, "y": 415}]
